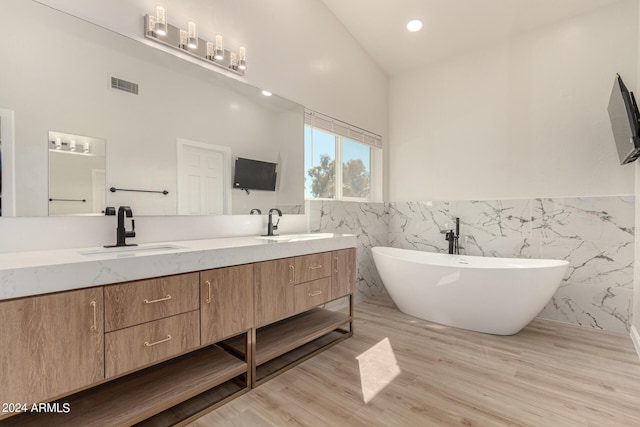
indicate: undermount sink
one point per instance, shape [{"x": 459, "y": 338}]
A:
[
  {"x": 132, "y": 250},
  {"x": 296, "y": 237}
]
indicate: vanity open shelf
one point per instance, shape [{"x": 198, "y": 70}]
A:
[
  {"x": 284, "y": 344},
  {"x": 159, "y": 391}
]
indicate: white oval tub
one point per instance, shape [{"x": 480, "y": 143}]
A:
[{"x": 492, "y": 295}]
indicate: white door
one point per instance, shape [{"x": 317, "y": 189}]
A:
[{"x": 202, "y": 178}]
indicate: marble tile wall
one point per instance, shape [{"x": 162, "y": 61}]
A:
[
  {"x": 369, "y": 221},
  {"x": 595, "y": 234}
]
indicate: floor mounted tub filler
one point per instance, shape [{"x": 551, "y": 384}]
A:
[{"x": 491, "y": 295}]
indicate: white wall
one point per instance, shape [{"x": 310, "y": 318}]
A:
[
  {"x": 296, "y": 49},
  {"x": 526, "y": 118}
]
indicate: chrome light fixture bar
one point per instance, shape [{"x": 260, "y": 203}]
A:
[{"x": 211, "y": 53}]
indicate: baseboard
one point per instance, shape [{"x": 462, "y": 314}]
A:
[{"x": 635, "y": 337}]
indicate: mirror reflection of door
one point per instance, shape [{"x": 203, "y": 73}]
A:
[
  {"x": 203, "y": 178},
  {"x": 76, "y": 174}
]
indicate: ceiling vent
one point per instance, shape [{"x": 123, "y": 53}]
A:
[{"x": 124, "y": 85}]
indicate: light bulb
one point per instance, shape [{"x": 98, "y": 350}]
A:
[
  {"x": 192, "y": 39},
  {"x": 414, "y": 25},
  {"x": 72, "y": 146},
  {"x": 161, "y": 20},
  {"x": 242, "y": 58},
  {"x": 183, "y": 39},
  {"x": 266, "y": 93},
  {"x": 87, "y": 147},
  {"x": 219, "y": 54},
  {"x": 210, "y": 49},
  {"x": 151, "y": 28},
  {"x": 58, "y": 144},
  {"x": 233, "y": 61}
]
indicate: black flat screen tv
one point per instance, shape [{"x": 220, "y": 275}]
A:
[
  {"x": 255, "y": 175},
  {"x": 624, "y": 117}
]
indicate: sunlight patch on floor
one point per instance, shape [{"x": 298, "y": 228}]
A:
[{"x": 378, "y": 367}]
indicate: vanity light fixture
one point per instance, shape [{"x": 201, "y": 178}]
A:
[
  {"x": 161, "y": 26},
  {"x": 233, "y": 61},
  {"x": 157, "y": 28},
  {"x": 242, "y": 58},
  {"x": 182, "y": 44},
  {"x": 219, "y": 52},
  {"x": 192, "y": 37},
  {"x": 70, "y": 146}
]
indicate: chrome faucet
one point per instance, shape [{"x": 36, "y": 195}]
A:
[
  {"x": 271, "y": 227},
  {"x": 121, "y": 232},
  {"x": 453, "y": 237}
]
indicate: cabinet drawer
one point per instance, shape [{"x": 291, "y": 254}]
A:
[
  {"x": 311, "y": 294},
  {"x": 312, "y": 267},
  {"x": 137, "y": 346},
  {"x": 132, "y": 303}
]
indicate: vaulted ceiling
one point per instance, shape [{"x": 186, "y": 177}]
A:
[{"x": 451, "y": 27}]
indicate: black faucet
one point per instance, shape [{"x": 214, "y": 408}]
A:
[
  {"x": 452, "y": 237},
  {"x": 255, "y": 211},
  {"x": 271, "y": 226},
  {"x": 121, "y": 232}
]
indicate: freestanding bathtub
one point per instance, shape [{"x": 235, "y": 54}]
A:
[{"x": 492, "y": 295}]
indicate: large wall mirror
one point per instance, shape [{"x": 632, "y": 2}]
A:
[{"x": 175, "y": 140}]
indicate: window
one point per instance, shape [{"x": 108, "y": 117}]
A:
[{"x": 333, "y": 143}]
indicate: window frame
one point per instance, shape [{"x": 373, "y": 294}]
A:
[{"x": 339, "y": 179}]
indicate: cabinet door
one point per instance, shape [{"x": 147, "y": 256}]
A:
[
  {"x": 343, "y": 278},
  {"x": 51, "y": 345},
  {"x": 274, "y": 281},
  {"x": 226, "y": 302}
]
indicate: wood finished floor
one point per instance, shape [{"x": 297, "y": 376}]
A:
[{"x": 550, "y": 374}]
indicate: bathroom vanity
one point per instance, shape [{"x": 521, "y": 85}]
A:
[{"x": 219, "y": 317}]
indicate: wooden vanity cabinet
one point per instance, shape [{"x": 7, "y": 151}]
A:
[
  {"x": 51, "y": 344},
  {"x": 274, "y": 281},
  {"x": 226, "y": 302},
  {"x": 162, "y": 351},
  {"x": 343, "y": 272}
]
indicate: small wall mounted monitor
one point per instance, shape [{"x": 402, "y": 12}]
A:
[
  {"x": 255, "y": 175},
  {"x": 624, "y": 116}
]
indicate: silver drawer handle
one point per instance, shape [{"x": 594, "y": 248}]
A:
[
  {"x": 314, "y": 293},
  {"x": 292, "y": 272},
  {"x": 167, "y": 298},
  {"x": 148, "y": 344},
  {"x": 315, "y": 267}
]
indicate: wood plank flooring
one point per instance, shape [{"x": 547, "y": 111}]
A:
[{"x": 401, "y": 371}]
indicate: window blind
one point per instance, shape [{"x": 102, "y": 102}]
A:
[{"x": 354, "y": 133}]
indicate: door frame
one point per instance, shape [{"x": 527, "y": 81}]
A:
[{"x": 181, "y": 144}]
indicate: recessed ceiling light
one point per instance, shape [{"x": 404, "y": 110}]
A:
[
  {"x": 414, "y": 25},
  {"x": 266, "y": 93}
]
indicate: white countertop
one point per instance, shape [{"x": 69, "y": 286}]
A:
[{"x": 40, "y": 272}]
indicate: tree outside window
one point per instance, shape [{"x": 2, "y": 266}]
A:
[{"x": 323, "y": 180}]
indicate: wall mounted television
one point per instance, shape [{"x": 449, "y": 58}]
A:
[
  {"x": 255, "y": 175},
  {"x": 625, "y": 121}
]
